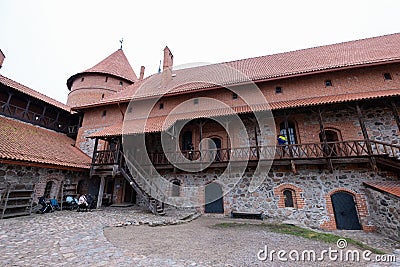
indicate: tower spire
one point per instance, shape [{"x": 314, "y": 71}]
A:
[{"x": 121, "y": 41}]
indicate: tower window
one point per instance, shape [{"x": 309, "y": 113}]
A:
[
  {"x": 121, "y": 83},
  {"x": 161, "y": 105},
  {"x": 234, "y": 96},
  {"x": 82, "y": 79},
  {"x": 278, "y": 90},
  {"x": 328, "y": 83},
  {"x": 106, "y": 79},
  {"x": 104, "y": 113},
  {"x": 387, "y": 76},
  {"x": 196, "y": 101},
  {"x": 102, "y": 96}
]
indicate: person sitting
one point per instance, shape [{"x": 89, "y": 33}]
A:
[{"x": 82, "y": 203}]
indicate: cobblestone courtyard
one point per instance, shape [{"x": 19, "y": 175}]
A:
[{"x": 70, "y": 238}]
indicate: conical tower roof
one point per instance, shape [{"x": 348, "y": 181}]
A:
[{"x": 115, "y": 64}]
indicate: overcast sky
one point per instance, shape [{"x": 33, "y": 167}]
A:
[{"x": 46, "y": 42}]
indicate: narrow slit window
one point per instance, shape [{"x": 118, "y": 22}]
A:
[
  {"x": 288, "y": 195},
  {"x": 106, "y": 79},
  {"x": 278, "y": 90},
  {"x": 102, "y": 96},
  {"x": 104, "y": 113},
  {"x": 161, "y": 105},
  {"x": 387, "y": 76},
  {"x": 82, "y": 79}
]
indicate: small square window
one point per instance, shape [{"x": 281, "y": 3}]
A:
[
  {"x": 104, "y": 113},
  {"x": 387, "y": 76},
  {"x": 234, "y": 96},
  {"x": 278, "y": 90},
  {"x": 82, "y": 79},
  {"x": 130, "y": 110},
  {"x": 161, "y": 105},
  {"x": 328, "y": 83},
  {"x": 121, "y": 83},
  {"x": 196, "y": 101}
]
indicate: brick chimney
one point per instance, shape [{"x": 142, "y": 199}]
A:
[
  {"x": 167, "y": 67},
  {"x": 141, "y": 72},
  {"x": 2, "y": 57}
]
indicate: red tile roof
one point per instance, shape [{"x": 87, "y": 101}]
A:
[
  {"x": 28, "y": 91},
  {"x": 25, "y": 142},
  {"x": 391, "y": 187},
  {"x": 377, "y": 50},
  {"x": 115, "y": 64},
  {"x": 160, "y": 123}
]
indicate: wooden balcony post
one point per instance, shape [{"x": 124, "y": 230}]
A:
[
  {"x": 25, "y": 113},
  {"x": 101, "y": 191},
  {"x": 289, "y": 143},
  {"x": 395, "y": 114},
  {"x": 366, "y": 138},
  {"x": 324, "y": 139}
]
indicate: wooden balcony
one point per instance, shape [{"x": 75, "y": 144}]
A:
[{"x": 317, "y": 153}]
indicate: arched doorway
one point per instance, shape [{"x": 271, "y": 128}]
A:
[
  {"x": 218, "y": 144},
  {"x": 345, "y": 211},
  {"x": 213, "y": 198},
  {"x": 331, "y": 136}
]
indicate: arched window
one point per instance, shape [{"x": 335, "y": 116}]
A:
[
  {"x": 176, "y": 184},
  {"x": 290, "y": 132},
  {"x": 47, "y": 190},
  {"x": 289, "y": 201}
]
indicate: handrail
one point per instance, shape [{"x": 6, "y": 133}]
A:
[{"x": 329, "y": 150}]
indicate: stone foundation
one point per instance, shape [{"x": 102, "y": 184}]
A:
[
  {"x": 311, "y": 187},
  {"x": 38, "y": 176}
]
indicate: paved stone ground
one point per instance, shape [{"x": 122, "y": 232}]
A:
[{"x": 69, "y": 238}]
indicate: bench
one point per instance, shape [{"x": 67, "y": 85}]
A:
[{"x": 247, "y": 215}]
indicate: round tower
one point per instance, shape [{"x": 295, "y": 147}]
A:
[{"x": 107, "y": 77}]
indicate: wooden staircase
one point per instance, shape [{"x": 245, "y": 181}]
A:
[{"x": 142, "y": 186}]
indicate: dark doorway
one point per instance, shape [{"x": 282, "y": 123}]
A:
[
  {"x": 47, "y": 190},
  {"x": 345, "y": 211},
  {"x": 130, "y": 193},
  {"x": 213, "y": 198},
  {"x": 186, "y": 140},
  {"x": 218, "y": 144},
  {"x": 331, "y": 136}
]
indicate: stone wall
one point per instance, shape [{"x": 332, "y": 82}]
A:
[
  {"x": 18, "y": 174},
  {"x": 385, "y": 212},
  {"x": 314, "y": 188}
]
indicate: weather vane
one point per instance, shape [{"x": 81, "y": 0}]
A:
[{"x": 121, "y": 41}]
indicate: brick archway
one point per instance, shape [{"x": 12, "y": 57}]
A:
[{"x": 361, "y": 206}]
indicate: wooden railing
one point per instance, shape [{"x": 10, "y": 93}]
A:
[{"x": 330, "y": 150}]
